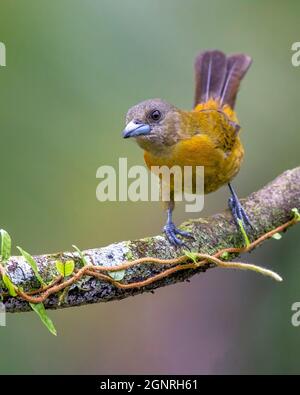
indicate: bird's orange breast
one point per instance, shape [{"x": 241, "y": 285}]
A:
[{"x": 206, "y": 148}]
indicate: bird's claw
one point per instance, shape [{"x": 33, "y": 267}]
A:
[
  {"x": 171, "y": 233},
  {"x": 239, "y": 213}
]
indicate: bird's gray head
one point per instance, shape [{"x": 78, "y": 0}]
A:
[{"x": 153, "y": 123}]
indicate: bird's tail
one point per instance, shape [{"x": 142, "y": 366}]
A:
[{"x": 218, "y": 76}]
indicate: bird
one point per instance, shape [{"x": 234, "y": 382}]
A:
[{"x": 208, "y": 135}]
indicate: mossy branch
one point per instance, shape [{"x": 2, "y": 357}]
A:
[{"x": 268, "y": 209}]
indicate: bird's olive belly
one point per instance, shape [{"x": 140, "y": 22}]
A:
[{"x": 218, "y": 169}]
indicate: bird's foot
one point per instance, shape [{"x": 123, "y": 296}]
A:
[
  {"x": 240, "y": 217},
  {"x": 238, "y": 212},
  {"x": 171, "y": 232}
]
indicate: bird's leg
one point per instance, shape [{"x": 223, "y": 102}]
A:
[
  {"x": 238, "y": 212},
  {"x": 172, "y": 231}
]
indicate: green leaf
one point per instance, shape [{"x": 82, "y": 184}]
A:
[
  {"x": 192, "y": 255},
  {"x": 296, "y": 214},
  {"x": 39, "y": 308},
  {"x": 82, "y": 257},
  {"x": 30, "y": 260},
  {"x": 118, "y": 276},
  {"x": 65, "y": 269},
  {"x": 9, "y": 285},
  {"x": 225, "y": 255},
  {"x": 5, "y": 248},
  {"x": 245, "y": 236},
  {"x": 69, "y": 267},
  {"x": 60, "y": 267},
  {"x": 277, "y": 236}
]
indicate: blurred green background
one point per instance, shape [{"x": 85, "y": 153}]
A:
[{"x": 73, "y": 70}]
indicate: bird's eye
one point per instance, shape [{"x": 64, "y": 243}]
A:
[{"x": 155, "y": 115}]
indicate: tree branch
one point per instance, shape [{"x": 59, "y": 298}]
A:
[{"x": 268, "y": 208}]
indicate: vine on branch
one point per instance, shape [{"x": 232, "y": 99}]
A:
[{"x": 68, "y": 274}]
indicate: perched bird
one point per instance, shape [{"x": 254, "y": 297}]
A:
[{"x": 206, "y": 136}]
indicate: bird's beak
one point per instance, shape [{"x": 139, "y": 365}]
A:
[{"x": 135, "y": 128}]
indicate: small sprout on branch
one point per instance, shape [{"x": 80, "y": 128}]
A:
[
  {"x": 82, "y": 257},
  {"x": 5, "y": 248},
  {"x": 65, "y": 269},
  {"x": 296, "y": 214},
  {"x": 9, "y": 285},
  {"x": 5, "y": 253},
  {"x": 191, "y": 255},
  {"x": 245, "y": 236},
  {"x": 31, "y": 261},
  {"x": 225, "y": 255}
]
